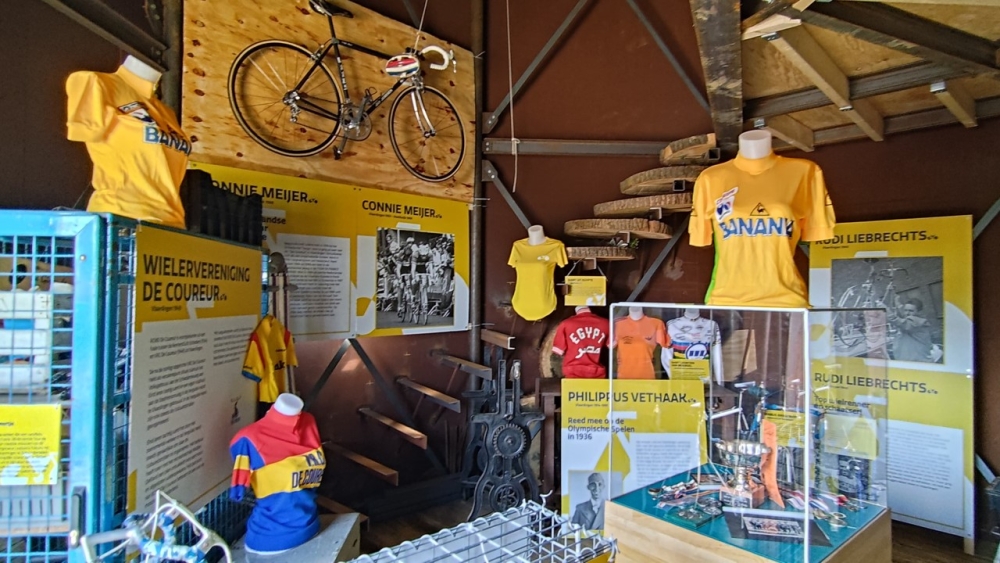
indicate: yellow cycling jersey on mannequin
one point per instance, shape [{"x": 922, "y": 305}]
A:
[{"x": 137, "y": 147}]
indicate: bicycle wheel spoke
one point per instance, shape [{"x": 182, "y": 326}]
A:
[{"x": 299, "y": 124}]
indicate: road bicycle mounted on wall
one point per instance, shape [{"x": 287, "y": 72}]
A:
[{"x": 286, "y": 99}]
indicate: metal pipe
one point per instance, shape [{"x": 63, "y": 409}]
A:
[
  {"x": 173, "y": 34},
  {"x": 695, "y": 91},
  {"x": 494, "y": 117},
  {"x": 113, "y": 28},
  {"x": 476, "y": 214}
]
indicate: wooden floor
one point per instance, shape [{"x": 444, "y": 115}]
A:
[{"x": 910, "y": 544}]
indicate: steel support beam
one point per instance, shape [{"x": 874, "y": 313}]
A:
[
  {"x": 655, "y": 266},
  {"x": 985, "y": 221},
  {"x": 395, "y": 400},
  {"x": 476, "y": 232},
  {"x": 695, "y": 91},
  {"x": 173, "y": 57},
  {"x": 114, "y": 28},
  {"x": 490, "y": 175},
  {"x": 902, "y": 78},
  {"x": 491, "y": 119},
  {"x": 903, "y": 31},
  {"x": 559, "y": 147},
  {"x": 330, "y": 368}
]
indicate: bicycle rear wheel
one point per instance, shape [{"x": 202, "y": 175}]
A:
[
  {"x": 283, "y": 119},
  {"x": 427, "y": 133}
]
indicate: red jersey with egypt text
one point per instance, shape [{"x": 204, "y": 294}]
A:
[{"x": 579, "y": 340}]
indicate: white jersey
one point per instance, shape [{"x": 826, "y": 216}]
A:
[{"x": 693, "y": 339}]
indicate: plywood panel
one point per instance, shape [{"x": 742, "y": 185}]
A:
[
  {"x": 821, "y": 118},
  {"x": 215, "y": 31},
  {"x": 981, "y": 86},
  {"x": 905, "y": 101},
  {"x": 766, "y": 72},
  {"x": 983, "y": 21}
]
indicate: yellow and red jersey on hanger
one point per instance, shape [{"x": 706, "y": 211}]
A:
[{"x": 270, "y": 352}]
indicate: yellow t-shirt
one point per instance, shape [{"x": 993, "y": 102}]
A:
[
  {"x": 270, "y": 352},
  {"x": 535, "y": 291},
  {"x": 758, "y": 210},
  {"x": 138, "y": 149}
]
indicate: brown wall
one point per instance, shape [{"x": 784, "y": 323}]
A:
[{"x": 608, "y": 80}]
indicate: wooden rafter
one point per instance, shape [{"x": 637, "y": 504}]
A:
[
  {"x": 957, "y": 99},
  {"x": 985, "y": 108},
  {"x": 789, "y": 130},
  {"x": 886, "y": 82},
  {"x": 717, "y": 26},
  {"x": 987, "y": 3},
  {"x": 799, "y": 47},
  {"x": 903, "y": 31}
]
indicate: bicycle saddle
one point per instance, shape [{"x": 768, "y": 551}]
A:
[{"x": 325, "y": 8}]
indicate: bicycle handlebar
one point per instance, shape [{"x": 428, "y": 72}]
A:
[{"x": 448, "y": 56}]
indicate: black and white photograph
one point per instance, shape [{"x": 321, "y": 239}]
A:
[
  {"x": 911, "y": 290},
  {"x": 416, "y": 279},
  {"x": 587, "y": 492},
  {"x": 760, "y": 527}
]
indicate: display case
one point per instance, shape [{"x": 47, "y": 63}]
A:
[{"x": 789, "y": 461}]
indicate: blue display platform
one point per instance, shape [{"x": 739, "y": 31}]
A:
[{"x": 784, "y": 551}]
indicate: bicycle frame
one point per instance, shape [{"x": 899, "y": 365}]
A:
[{"x": 320, "y": 54}]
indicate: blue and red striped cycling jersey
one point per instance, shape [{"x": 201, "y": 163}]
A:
[{"x": 281, "y": 459}]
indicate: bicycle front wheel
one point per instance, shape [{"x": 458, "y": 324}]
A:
[
  {"x": 427, "y": 133},
  {"x": 283, "y": 100}
]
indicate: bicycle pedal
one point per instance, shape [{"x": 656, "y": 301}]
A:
[{"x": 336, "y": 153}]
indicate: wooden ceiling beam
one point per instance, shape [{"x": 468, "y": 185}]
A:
[
  {"x": 789, "y": 130},
  {"x": 717, "y": 27},
  {"x": 799, "y": 47},
  {"x": 987, "y": 3},
  {"x": 957, "y": 99},
  {"x": 985, "y": 108},
  {"x": 886, "y": 82},
  {"x": 903, "y": 31}
]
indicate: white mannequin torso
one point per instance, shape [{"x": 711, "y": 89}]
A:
[
  {"x": 142, "y": 70},
  {"x": 288, "y": 404},
  {"x": 635, "y": 313},
  {"x": 536, "y": 235},
  {"x": 755, "y": 144}
]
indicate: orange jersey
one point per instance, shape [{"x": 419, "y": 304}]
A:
[
  {"x": 636, "y": 341},
  {"x": 139, "y": 152},
  {"x": 757, "y": 210}
]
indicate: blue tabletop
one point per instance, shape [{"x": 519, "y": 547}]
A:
[{"x": 785, "y": 552}]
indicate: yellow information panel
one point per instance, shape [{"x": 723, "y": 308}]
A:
[
  {"x": 587, "y": 290},
  {"x": 622, "y": 435},
  {"x": 198, "y": 301},
  {"x": 29, "y": 444},
  {"x": 919, "y": 271},
  {"x": 366, "y": 262},
  {"x": 689, "y": 369}
]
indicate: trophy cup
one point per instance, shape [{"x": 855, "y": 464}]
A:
[{"x": 743, "y": 457}]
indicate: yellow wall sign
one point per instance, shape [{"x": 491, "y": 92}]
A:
[
  {"x": 791, "y": 427},
  {"x": 367, "y": 262},
  {"x": 913, "y": 357},
  {"x": 182, "y": 276},
  {"x": 629, "y": 433},
  {"x": 689, "y": 369},
  {"x": 587, "y": 290},
  {"x": 29, "y": 444}
]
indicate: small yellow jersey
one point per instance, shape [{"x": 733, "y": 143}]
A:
[
  {"x": 138, "y": 149},
  {"x": 270, "y": 352},
  {"x": 757, "y": 210},
  {"x": 535, "y": 291}
]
